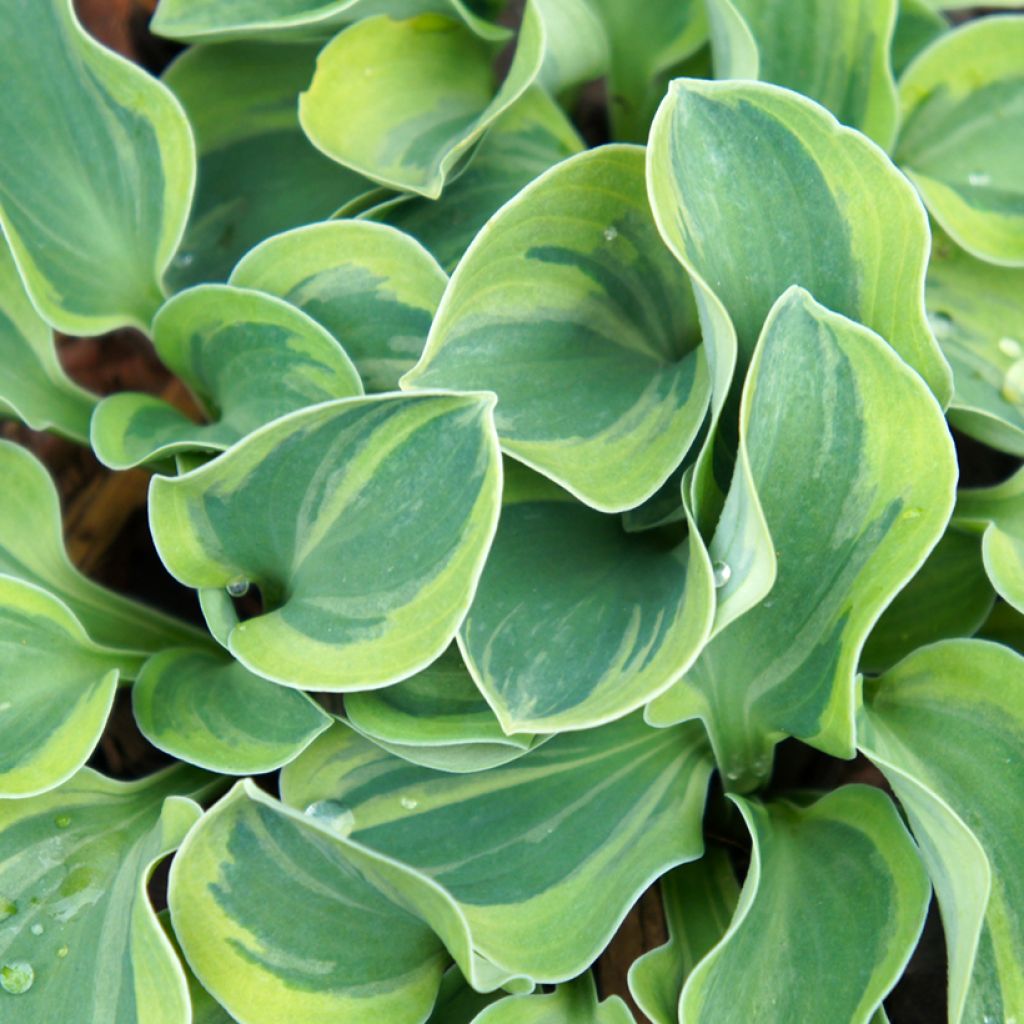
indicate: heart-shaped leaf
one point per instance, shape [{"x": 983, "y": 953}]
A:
[
  {"x": 756, "y": 188},
  {"x": 946, "y": 726},
  {"x": 850, "y": 516},
  {"x": 570, "y": 283},
  {"x": 962, "y": 139},
  {"x": 365, "y": 523},
  {"x": 96, "y": 171},
  {"x": 225, "y": 343},
  {"x": 212, "y": 712},
  {"x": 572, "y": 1003},
  {"x": 577, "y": 622},
  {"x": 32, "y": 549},
  {"x": 375, "y": 289},
  {"x": 258, "y": 174},
  {"x": 56, "y": 690},
  {"x": 830, "y": 912},
  {"x": 519, "y": 847},
  {"x": 836, "y": 54},
  {"x": 34, "y": 387},
  {"x": 80, "y": 940}
]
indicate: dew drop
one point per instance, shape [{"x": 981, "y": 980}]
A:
[
  {"x": 16, "y": 977},
  {"x": 333, "y": 815},
  {"x": 62, "y": 820},
  {"x": 1013, "y": 383},
  {"x": 408, "y": 803},
  {"x": 941, "y": 324},
  {"x": 722, "y": 573},
  {"x": 37, "y": 929},
  {"x": 1010, "y": 347},
  {"x": 979, "y": 179},
  {"x": 238, "y": 587},
  {"x": 8, "y": 908},
  {"x": 183, "y": 260},
  {"x": 610, "y": 234},
  {"x": 911, "y": 513},
  {"x": 63, "y": 952}
]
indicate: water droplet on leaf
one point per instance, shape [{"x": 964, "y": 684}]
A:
[
  {"x": 63, "y": 952},
  {"x": 183, "y": 260},
  {"x": 332, "y": 814},
  {"x": 722, "y": 573},
  {"x": 36, "y": 929},
  {"x": 979, "y": 179},
  {"x": 610, "y": 234},
  {"x": 1013, "y": 383},
  {"x": 941, "y": 324},
  {"x": 408, "y": 803},
  {"x": 16, "y": 977},
  {"x": 1010, "y": 347},
  {"x": 62, "y": 820},
  {"x": 8, "y": 908},
  {"x": 911, "y": 513},
  {"x": 238, "y": 587}
]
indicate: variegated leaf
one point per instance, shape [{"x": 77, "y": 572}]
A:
[{"x": 575, "y": 1002}]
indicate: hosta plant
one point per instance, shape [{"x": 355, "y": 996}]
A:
[{"x": 562, "y": 520}]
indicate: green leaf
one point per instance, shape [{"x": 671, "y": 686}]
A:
[
  {"x": 699, "y": 900},
  {"x": 457, "y": 1003},
  {"x": 851, "y": 518},
  {"x": 569, "y": 307},
  {"x": 531, "y": 136},
  {"x": 756, "y": 188},
  {"x": 949, "y": 597},
  {"x": 437, "y": 719},
  {"x": 572, "y": 1003},
  {"x": 375, "y": 289},
  {"x": 946, "y": 726},
  {"x": 1005, "y": 625},
  {"x": 918, "y": 25},
  {"x": 830, "y": 912},
  {"x": 834, "y": 53},
  {"x": 34, "y": 387},
  {"x": 403, "y": 102},
  {"x": 998, "y": 513},
  {"x": 523, "y": 847},
  {"x": 962, "y": 140},
  {"x": 977, "y": 313},
  {"x": 205, "y": 1009},
  {"x": 210, "y": 711},
  {"x": 258, "y": 174},
  {"x": 225, "y": 344},
  {"x": 32, "y": 549},
  {"x": 361, "y": 585},
  {"x": 79, "y": 927},
  {"x": 56, "y": 690},
  {"x": 96, "y": 171},
  {"x": 577, "y": 622}
]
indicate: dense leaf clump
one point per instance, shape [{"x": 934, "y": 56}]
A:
[{"x": 611, "y": 487}]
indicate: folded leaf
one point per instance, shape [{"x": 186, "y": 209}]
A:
[
  {"x": 212, "y": 712},
  {"x": 977, "y": 313},
  {"x": 830, "y": 912},
  {"x": 96, "y": 171},
  {"x": 375, "y": 289},
  {"x": 946, "y": 726},
  {"x": 531, "y": 136},
  {"x": 577, "y": 622},
  {"x": 258, "y": 174},
  {"x": 457, "y": 1003},
  {"x": 998, "y": 513},
  {"x": 522, "y": 848},
  {"x": 962, "y": 140},
  {"x": 699, "y": 900},
  {"x": 572, "y": 1003},
  {"x": 34, "y": 387},
  {"x": 437, "y": 719},
  {"x": 851, "y": 518},
  {"x": 205, "y": 1009},
  {"x": 225, "y": 344},
  {"x": 80, "y": 937},
  {"x": 834, "y": 53},
  {"x": 569, "y": 307},
  {"x": 756, "y": 188},
  {"x": 32, "y": 549},
  {"x": 365, "y": 523},
  {"x": 56, "y": 689},
  {"x": 1005, "y": 625}
]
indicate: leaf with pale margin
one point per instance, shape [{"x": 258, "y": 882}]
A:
[
  {"x": 962, "y": 138},
  {"x": 56, "y": 690},
  {"x": 946, "y": 726},
  {"x": 570, "y": 308},
  {"x": 211, "y": 711},
  {"x": 998, "y": 514},
  {"x": 437, "y": 719},
  {"x": 830, "y": 912},
  {"x": 575, "y": 1002},
  {"x": 34, "y": 387},
  {"x": 32, "y": 549},
  {"x": 577, "y": 622},
  {"x": 756, "y": 188},
  {"x": 522, "y": 848},
  {"x": 74, "y": 864},
  {"x": 373, "y": 287},
  {"x": 977, "y": 313},
  {"x": 97, "y": 165},
  {"x": 531, "y": 136},
  {"x": 258, "y": 174},
  {"x": 851, "y": 518},
  {"x": 918, "y": 25},
  {"x": 225, "y": 344},
  {"x": 365, "y": 522},
  {"x": 699, "y": 901}
]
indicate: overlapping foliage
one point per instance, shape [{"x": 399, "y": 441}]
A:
[{"x": 587, "y": 476}]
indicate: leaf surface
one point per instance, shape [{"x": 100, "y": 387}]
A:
[{"x": 575, "y": 1002}]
